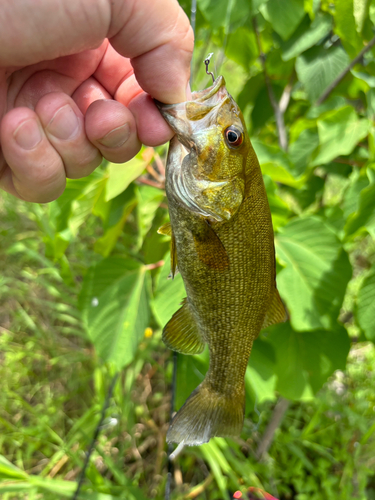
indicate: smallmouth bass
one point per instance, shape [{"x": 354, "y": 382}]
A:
[{"x": 223, "y": 245}]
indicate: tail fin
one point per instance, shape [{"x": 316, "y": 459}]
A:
[{"x": 206, "y": 414}]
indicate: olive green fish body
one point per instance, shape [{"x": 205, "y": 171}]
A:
[{"x": 223, "y": 244}]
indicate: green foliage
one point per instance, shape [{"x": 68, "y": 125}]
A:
[{"x": 84, "y": 289}]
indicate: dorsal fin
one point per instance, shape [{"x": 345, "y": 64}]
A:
[{"x": 276, "y": 312}]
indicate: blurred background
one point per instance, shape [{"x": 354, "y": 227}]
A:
[{"x": 84, "y": 291}]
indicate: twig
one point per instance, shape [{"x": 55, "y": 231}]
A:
[
  {"x": 278, "y": 108},
  {"x": 95, "y": 436},
  {"x": 342, "y": 75},
  {"x": 277, "y": 416},
  {"x": 170, "y": 446}
]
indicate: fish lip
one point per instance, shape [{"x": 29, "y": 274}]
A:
[{"x": 197, "y": 96}]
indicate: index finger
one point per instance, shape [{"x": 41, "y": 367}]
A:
[{"x": 158, "y": 39}]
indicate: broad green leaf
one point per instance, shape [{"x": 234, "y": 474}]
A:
[
  {"x": 242, "y": 47},
  {"x": 168, "y": 294},
  {"x": 345, "y": 26},
  {"x": 339, "y": 132},
  {"x": 318, "y": 67},
  {"x": 316, "y": 273},
  {"x": 118, "y": 213},
  {"x": 275, "y": 163},
  {"x": 284, "y": 16},
  {"x": 365, "y": 306},
  {"x": 191, "y": 371},
  {"x": 301, "y": 150},
  {"x": 304, "y": 360},
  {"x": 364, "y": 216},
  {"x": 114, "y": 307},
  {"x": 279, "y": 208},
  {"x": 225, "y": 13},
  {"x": 121, "y": 175},
  {"x": 278, "y": 173},
  {"x": 260, "y": 378},
  {"x": 84, "y": 204},
  {"x": 360, "y": 11},
  {"x": 149, "y": 199},
  {"x": 306, "y": 36}
]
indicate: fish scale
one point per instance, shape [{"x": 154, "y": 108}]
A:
[{"x": 223, "y": 246}]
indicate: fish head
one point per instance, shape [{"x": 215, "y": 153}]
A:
[{"x": 214, "y": 144}]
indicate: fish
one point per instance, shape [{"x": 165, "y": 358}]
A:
[{"x": 222, "y": 243}]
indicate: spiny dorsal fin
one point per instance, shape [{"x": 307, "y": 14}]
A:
[
  {"x": 181, "y": 332},
  {"x": 167, "y": 230},
  {"x": 276, "y": 312}
]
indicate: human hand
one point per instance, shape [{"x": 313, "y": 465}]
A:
[{"x": 73, "y": 81}]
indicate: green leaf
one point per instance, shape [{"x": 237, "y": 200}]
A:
[
  {"x": 364, "y": 216},
  {"x": 365, "y": 305},
  {"x": 339, "y": 132},
  {"x": 224, "y": 13},
  {"x": 301, "y": 150},
  {"x": 306, "y": 35},
  {"x": 345, "y": 25},
  {"x": 275, "y": 163},
  {"x": 284, "y": 16},
  {"x": 304, "y": 360},
  {"x": 121, "y": 175},
  {"x": 10, "y": 471},
  {"x": 242, "y": 47},
  {"x": 360, "y": 11},
  {"x": 318, "y": 67},
  {"x": 316, "y": 273},
  {"x": 168, "y": 294},
  {"x": 115, "y": 308},
  {"x": 260, "y": 378}
]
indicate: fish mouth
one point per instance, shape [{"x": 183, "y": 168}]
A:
[{"x": 197, "y": 114}]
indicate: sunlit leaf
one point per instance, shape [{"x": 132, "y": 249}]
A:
[
  {"x": 306, "y": 36},
  {"x": 316, "y": 273},
  {"x": 318, "y": 67},
  {"x": 304, "y": 360},
  {"x": 365, "y": 305},
  {"x": 121, "y": 175},
  {"x": 284, "y": 16},
  {"x": 339, "y": 132}
]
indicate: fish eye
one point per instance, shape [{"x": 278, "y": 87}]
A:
[{"x": 233, "y": 136}]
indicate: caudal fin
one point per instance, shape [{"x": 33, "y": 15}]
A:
[{"x": 207, "y": 414}]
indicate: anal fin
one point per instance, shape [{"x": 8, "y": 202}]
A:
[
  {"x": 276, "y": 312},
  {"x": 181, "y": 332}
]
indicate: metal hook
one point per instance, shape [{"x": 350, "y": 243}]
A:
[{"x": 207, "y": 62}]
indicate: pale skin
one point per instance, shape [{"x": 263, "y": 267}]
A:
[{"x": 76, "y": 80}]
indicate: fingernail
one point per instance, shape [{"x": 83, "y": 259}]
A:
[
  {"x": 64, "y": 123},
  {"x": 117, "y": 137},
  {"x": 188, "y": 92},
  {"x": 28, "y": 134}
]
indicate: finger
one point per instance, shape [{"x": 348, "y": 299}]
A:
[
  {"x": 34, "y": 170},
  {"x": 158, "y": 39},
  {"x": 63, "y": 123},
  {"x": 111, "y": 127},
  {"x": 152, "y": 129},
  {"x": 88, "y": 92}
]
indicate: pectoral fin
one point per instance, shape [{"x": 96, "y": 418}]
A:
[
  {"x": 210, "y": 249},
  {"x": 181, "y": 332},
  {"x": 167, "y": 230},
  {"x": 276, "y": 312}
]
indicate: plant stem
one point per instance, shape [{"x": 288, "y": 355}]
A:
[
  {"x": 342, "y": 75},
  {"x": 95, "y": 436},
  {"x": 277, "y": 416}
]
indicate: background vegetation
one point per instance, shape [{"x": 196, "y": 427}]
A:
[{"x": 84, "y": 294}]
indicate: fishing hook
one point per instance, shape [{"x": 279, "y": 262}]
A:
[{"x": 207, "y": 62}]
